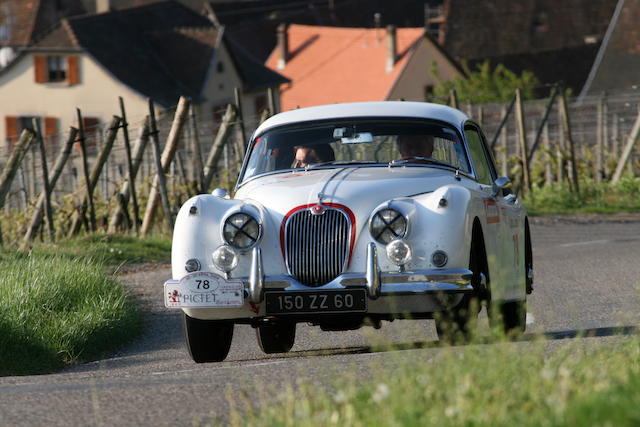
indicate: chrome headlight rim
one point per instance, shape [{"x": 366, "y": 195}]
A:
[
  {"x": 251, "y": 216},
  {"x": 401, "y": 214}
]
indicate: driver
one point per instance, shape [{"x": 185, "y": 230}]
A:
[
  {"x": 412, "y": 146},
  {"x": 305, "y": 156}
]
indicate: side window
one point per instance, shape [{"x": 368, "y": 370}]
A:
[{"x": 479, "y": 156}]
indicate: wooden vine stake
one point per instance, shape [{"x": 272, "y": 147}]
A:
[
  {"x": 45, "y": 181},
  {"x": 522, "y": 140},
  {"x": 11, "y": 168},
  {"x": 96, "y": 171},
  {"x": 61, "y": 160},
  {"x": 566, "y": 125},
  {"x": 163, "y": 163},
  {"x": 626, "y": 152},
  {"x": 218, "y": 145},
  {"x": 119, "y": 214},
  {"x": 130, "y": 173}
]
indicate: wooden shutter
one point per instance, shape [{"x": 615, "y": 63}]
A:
[
  {"x": 11, "y": 130},
  {"x": 72, "y": 69},
  {"x": 40, "y": 67},
  {"x": 50, "y": 131},
  {"x": 91, "y": 133}
]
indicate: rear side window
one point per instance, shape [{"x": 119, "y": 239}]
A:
[{"x": 479, "y": 156}]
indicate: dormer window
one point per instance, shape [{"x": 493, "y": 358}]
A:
[{"x": 57, "y": 68}]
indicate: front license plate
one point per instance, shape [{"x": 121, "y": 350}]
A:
[
  {"x": 202, "y": 289},
  {"x": 283, "y": 302}
]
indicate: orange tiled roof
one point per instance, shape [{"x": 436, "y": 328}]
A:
[{"x": 328, "y": 65}]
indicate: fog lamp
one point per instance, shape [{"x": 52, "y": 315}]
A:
[
  {"x": 439, "y": 258},
  {"x": 399, "y": 252},
  {"x": 192, "y": 265},
  {"x": 225, "y": 258}
]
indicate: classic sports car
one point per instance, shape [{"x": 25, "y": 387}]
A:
[{"x": 352, "y": 214}]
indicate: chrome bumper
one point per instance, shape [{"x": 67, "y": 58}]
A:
[{"x": 377, "y": 283}]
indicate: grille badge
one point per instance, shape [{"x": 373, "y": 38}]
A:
[{"x": 317, "y": 210}]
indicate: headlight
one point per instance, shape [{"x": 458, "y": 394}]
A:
[
  {"x": 387, "y": 225},
  {"x": 241, "y": 231}
]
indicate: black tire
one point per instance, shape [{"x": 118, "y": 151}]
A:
[
  {"x": 514, "y": 317},
  {"x": 459, "y": 323},
  {"x": 276, "y": 337},
  {"x": 511, "y": 316},
  {"x": 207, "y": 340}
]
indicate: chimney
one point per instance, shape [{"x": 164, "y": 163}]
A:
[
  {"x": 283, "y": 46},
  {"x": 103, "y": 6},
  {"x": 391, "y": 47}
]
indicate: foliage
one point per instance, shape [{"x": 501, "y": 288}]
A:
[
  {"x": 56, "y": 311},
  {"x": 496, "y": 385},
  {"x": 593, "y": 198},
  {"x": 111, "y": 249},
  {"x": 486, "y": 84}
]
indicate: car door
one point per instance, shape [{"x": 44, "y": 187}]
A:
[{"x": 502, "y": 238}]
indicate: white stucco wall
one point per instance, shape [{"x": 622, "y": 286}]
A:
[
  {"x": 96, "y": 95},
  {"x": 418, "y": 72}
]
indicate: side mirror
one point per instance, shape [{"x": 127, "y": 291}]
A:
[{"x": 501, "y": 185}]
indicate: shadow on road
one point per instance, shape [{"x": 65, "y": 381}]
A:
[{"x": 553, "y": 335}]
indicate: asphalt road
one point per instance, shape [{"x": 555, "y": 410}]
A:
[{"x": 587, "y": 282}]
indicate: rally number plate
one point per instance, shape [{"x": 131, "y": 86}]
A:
[
  {"x": 304, "y": 302},
  {"x": 203, "y": 289}
]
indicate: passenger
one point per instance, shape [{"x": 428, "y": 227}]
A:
[
  {"x": 308, "y": 155},
  {"x": 415, "y": 146}
]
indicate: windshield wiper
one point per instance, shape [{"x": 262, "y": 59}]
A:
[
  {"x": 421, "y": 160},
  {"x": 338, "y": 162}
]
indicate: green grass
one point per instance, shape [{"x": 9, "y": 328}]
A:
[
  {"x": 55, "y": 311},
  {"x": 501, "y": 384},
  {"x": 112, "y": 250},
  {"x": 603, "y": 198}
]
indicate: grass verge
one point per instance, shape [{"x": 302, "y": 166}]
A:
[
  {"x": 111, "y": 250},
  {"x": 603, "y": 198},
  {"x": 501, "y": 384},
  {"x": 56, "y": 310}
]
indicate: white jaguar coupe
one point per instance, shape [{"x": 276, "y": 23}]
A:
[{"x": 352, "y": 214}]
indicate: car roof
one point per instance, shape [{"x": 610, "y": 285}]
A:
[{"x": 423, "y": 110}]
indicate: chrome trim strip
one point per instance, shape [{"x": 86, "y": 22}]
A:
[
  {"x": 256, "y": 277},
  {"x": 373, "y": 272},
  {"x": 407, "y": 283}
]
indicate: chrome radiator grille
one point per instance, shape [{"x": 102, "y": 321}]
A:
[{"x": 317, "y": 246}]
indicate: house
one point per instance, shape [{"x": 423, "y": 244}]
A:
[
  {"x": 160, "y": 51},
  {"x": 253, "y": 23},
  {"x": 557, "y": 41},
  {"x": 23, "y": 22},
  {"x": 617, "y": 65},
  {"x": 329, "y": 65}
]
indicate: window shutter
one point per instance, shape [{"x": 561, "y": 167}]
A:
[
  {"x": 40, "y": 67},
  {"x": 50, "y": 131},
  {"x": 91, "y": 130},
  {"x": 11, "y": 130},
  {"x": 72, "y": 65}
]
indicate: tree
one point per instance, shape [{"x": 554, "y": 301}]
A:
[{"x": 485, "y": 84}]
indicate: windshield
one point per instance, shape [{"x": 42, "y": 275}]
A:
[{"x": 340, "y": 143}]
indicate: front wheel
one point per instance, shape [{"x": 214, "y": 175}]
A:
[
  {"x": 510, "y": 316},
  {"x": 207, "y": 340},
  {"x": 276, "y": 337}
]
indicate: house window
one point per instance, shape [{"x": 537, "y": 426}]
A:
[
  {"x": 57, "y": 68},
  {"x": 15, "y": 125}
]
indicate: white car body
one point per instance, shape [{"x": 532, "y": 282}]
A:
[{"x": 441, "y": 206}]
